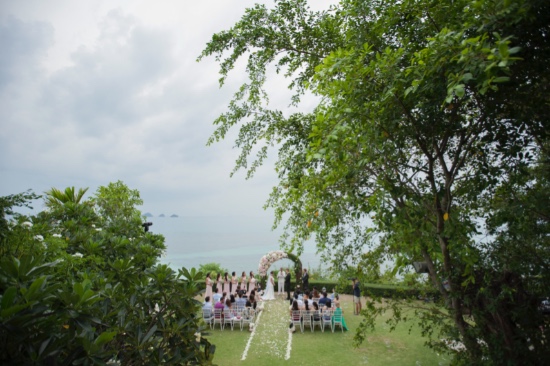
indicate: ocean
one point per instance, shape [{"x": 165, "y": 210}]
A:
[{"x": 237, "y": 244}]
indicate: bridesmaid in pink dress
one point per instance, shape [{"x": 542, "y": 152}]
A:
[
  {"x": 251, "y": 283},
  {"x": 234, "y": 282},
  {"x": 243, "y": 282},
  {"x": 208, "y": 291},
  {"x": 219, "y": 283},
  {"x": 226, "y": 283}
]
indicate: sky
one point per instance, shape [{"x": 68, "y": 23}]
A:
[{"x": 92, "y": 92}]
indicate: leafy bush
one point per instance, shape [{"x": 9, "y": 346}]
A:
[{"x": 80, "y": 288}]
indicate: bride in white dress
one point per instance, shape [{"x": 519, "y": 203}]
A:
[{"x": 269, "y": 288}]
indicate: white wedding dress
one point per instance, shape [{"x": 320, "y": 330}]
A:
[{"x": 269, "y": 290}]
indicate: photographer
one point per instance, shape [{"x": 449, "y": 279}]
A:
[{"x": 356, "y": 296}]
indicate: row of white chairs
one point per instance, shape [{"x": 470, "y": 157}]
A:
[
  {"x": 239, "y": 315},
  {"x": 322, "y": 318}
]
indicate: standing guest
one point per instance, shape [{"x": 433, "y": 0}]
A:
[
  {"x": 287, "y": 284},
  {"x": 243, "y": 282},
  {"x": 356, "y": 296},
  {"x": 281, "y": 281},
  {"x": 219, "y": 288},
  {"x": 208, "y": 292},
  {"x": 333, "y": 294},
  {"x": 226, "y": 288},
  {"x": 233, "y": 285},
  {"x": 305, "y": 280},
  {"x": 251, "y": 283}
]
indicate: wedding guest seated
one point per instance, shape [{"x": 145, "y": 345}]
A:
[
  {"x": 207, "y": 305},
  {"x": 240, "y": 301},
  {"x": 220, "y": 304},
  {"x": 307, "y": 301},
  {"x": 252, "y": 300},
  {"x": 229, "y": 306},
  {"x": 325, "y": 300},
  {"x": 315, "y": 293},
  {"x": 298, "y": 301},
  {"x": 216, "y": 297},
  {"x": 316, "y": 315},
  {"x": 339, "y": 311},
  {"x": 294, "y": 307},
  {"x": 232, "y": 298}
]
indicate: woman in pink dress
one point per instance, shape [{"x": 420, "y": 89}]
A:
[
  {"x": 251, "y": 283},
  {"x": 234, "y": 281},
  {"x": 208, "y": 291},
  {"x": 243, "y": 282},
  {"x": 219, "y": 283},
  {"x": 226, "y": 284}
]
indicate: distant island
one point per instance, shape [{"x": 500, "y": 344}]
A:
[{"x": 148, "y": 214}]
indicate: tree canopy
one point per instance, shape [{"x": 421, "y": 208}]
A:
[
  {"x": 80, "y": 283},
  {"x": 430, "y": 133}
]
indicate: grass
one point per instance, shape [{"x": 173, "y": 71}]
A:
[{"x": 269, "y": 344}]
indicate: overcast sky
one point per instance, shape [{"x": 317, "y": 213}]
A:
[{"x": 92, "y": 92}]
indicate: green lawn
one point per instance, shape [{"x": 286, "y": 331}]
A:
[{"x": 269, "y": 343}]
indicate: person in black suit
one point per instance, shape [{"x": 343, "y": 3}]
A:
[
  {"x": 287, "y": 284},
  {"x": 305, "y": 280}
]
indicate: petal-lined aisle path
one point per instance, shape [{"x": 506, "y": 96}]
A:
[{"x": 271, "y": 338}]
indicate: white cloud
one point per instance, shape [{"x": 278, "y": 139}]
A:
[{"x": 93, "y": 92}]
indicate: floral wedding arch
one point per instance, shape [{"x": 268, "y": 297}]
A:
[{"x": 272, "y": 257}]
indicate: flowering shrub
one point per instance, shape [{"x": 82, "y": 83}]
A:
[{"x": 268, "y": 259}]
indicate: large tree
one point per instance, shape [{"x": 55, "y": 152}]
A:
[{"x": 427, "y": 109}]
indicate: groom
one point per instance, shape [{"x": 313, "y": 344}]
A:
[{"x": 287, "y": 284}]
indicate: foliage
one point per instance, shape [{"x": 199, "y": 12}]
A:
[
  {"x": 87, "y": 294},
  {"x": 213, "y": 269},
  {"x": 429, "y": 113}
]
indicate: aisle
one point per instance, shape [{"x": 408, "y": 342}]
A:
[{"x": 270, "y": 338}]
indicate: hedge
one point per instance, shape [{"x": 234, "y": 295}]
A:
[{"x": 369, "y": 289}]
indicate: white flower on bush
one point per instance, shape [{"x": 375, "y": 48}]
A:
[
  {"x": 98, "y": 229},
  {"x": 198, "y": 336},
  {"x": 78, "y": 255},
  {"x": 93, "y": 225},
  {"x": 56, "y": 235},
  {"x": 26, "y": 224},
  {"x": 39, "y": 237}
]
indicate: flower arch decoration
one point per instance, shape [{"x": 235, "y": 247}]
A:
[{"x": 267, "y": 260}]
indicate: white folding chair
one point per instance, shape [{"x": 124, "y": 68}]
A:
[
  {"x": 208, "y": 317},
  {"x": 306, "y": 319},
  {"x": 296, "y": 319},
  {"x": 316, "y": 319},
  {"x": 326, "y": 319},
  {"x": 337, "y": 321},
  {"x": 248, "y": 316},
  {"x": 218, "y": 318},
  {"x": 228, "y": 318}
]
